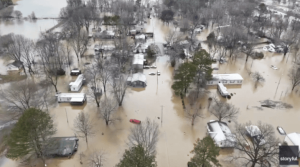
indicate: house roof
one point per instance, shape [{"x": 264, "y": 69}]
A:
[
  {"x": 139, "y": 77},
  {"x": 73, "y": 95},
  {"x": 63, "y": 146},
  {"x": 221, "y": 133},
  {"x": 138, "y": 59},
  {"x": 16, "y": 64},
  {"x": 78, "y": 80},
  {"x": 227, "y": 77},
  {"x": 140, "y": 36},
  {"x": 293, "y": 139}
]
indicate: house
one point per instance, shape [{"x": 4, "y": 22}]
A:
[
  {"x": 293, "y": 139},
  {"x": 137, "y": 80},
  {"x": 75, "y": 86},
  {"x": 138, "y": 61},
  {"x": 223, "y": 90},
  {"x": 220, "y": 133},
  {"x": 15, "y": 66},
  {"x": 62, "y": 146},
  {"x": 140, "y": 37},
  {"x": 73, "y": 98},
  {"x": 226, "y": 79}
]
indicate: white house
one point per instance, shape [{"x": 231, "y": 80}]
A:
[
  {"x": 73, "y": 98},
  {"x": 15, "y": 66},
  {"x": 140, "y": 37},
  {"x": 293, "y": 139},
  {"x": 138, "y": 61},
  {"x": 220, "y": 133},
  {"x": 75, "y": 86},
  {"x": 223, "y": 90},
  {"x": 137, "y": 80},
  {"x": 226, "y": 79}
]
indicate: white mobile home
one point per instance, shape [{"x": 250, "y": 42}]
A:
[
  {"x": 73, "y": 98},
  {"x": 221, "y": 134},
  {"x": 75, "y": 86},
  {"x": 226, "y": 79},
  {"x": 223, "y": 90},
  {"x": 137, "y": 80},
  {"x": 138, "y": 61}
]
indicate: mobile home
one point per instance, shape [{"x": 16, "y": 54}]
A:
[
  {"x": 221, "y": 134},
  {"x": 223, "y": 90},
  {"x": 226, "y": 79},
  {"x": 73, "y": 98},
  {"x": 75, "y": 86}
]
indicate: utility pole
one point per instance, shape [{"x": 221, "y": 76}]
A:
[
  {"x": 67, "y": 116},
  {"x": 162, "y": 108}
]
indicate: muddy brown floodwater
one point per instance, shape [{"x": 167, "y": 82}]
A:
[{"x": 158, "y": 100}]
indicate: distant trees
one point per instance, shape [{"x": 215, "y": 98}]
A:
[
  {"x": 167, "y": 16},
  {"x": 30, "y": 137},
  {"x": 205, "y": 153},
  {"x": 194, "y": 109},
  {"x": 145, "y": 135},
  {"x": 83, "y": 126},
  {"x": 263, "y": 151},
  {"x": 223, "y": 110},
  {"x": 136, "y": 156}
]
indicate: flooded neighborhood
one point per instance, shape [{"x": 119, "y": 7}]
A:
[{"x": 146, "y": 83}]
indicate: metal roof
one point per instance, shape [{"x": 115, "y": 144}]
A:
[{"x": 138, "y": 59}]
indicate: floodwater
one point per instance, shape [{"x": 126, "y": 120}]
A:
[
  {"x": 42, "y": 9},
  {"x": 158, "y": 102}
]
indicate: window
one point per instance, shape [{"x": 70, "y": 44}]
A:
[
  {"x": 232, "y": 81},
  {"x": 224, "y": 81}
]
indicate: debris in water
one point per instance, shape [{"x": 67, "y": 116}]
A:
[
  {"x": 158, "y": 118},
  {"x": 275, "y": 104},
  {"x": 102, "y": 133},
  {"x": 231, "y": 94}
]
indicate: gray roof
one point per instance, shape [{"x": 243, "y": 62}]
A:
[{"x": 62, "y": 146}]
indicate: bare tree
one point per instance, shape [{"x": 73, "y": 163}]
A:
[
  {"x": 145, "y": 135},
  {"x": 104, "y": 69},
  {"x": 194, "y": 111},
  {"x": 23, "y": 95},
  {"x": 15, "y": 49},
  {"x": 259, "y": 149},
  {"x": 257, "y": 77},
  {"x": 223, "y": 110},
  {"x": 79, "y": 43},
  {"x": 294, "y": 76},
  {"x": 93, "y": 78},
  {"x": 83, "y": 126},
  {"x": 107, "y": 110},
  {"x": 119, "y": 86},
  {"x": 97, "y": 159}
]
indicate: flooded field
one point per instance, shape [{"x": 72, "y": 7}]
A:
[{"x": 158, "y": 102}]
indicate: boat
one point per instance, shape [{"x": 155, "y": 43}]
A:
[{"x": 280, "y": 130}]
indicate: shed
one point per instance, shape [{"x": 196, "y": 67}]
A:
[
  {"x": 138, "y": 61},
  {"x": 220, "y": 133},
  {"x": 137, "y": 80},
  {"x": 226, "y": 79},
  {"x": 62, "y": 146},
  {"x": 15, "y": 66}
]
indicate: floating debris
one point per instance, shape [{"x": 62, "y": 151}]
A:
[{"x": 275, "y": 104}]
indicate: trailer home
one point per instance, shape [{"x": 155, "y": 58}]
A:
[
  {"x": 223, "y": 90},
  {"x": 73, "y": 98},
  {"x": 75, "y": 86},
  {"x": 226, "y": 79}
]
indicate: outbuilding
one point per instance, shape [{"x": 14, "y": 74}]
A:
[
  {"x": 137, "y": 80},
  {"x": 62, "y": 146},
  {"x": 226, "y": 79}
]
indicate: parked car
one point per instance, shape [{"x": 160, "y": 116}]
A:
[
  {"x": 146, "y": 67},
  {"x": 268, "y": 48},
  {"x": 153, "y": 66},
  {"x": 158, "y": 73},
  {"x": 151, "y": 73},
  {"x": 75, "y": 72},
  {"x": 135, "y": 121}
]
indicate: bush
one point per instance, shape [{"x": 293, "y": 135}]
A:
[{"x": 173, "y": 63}]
